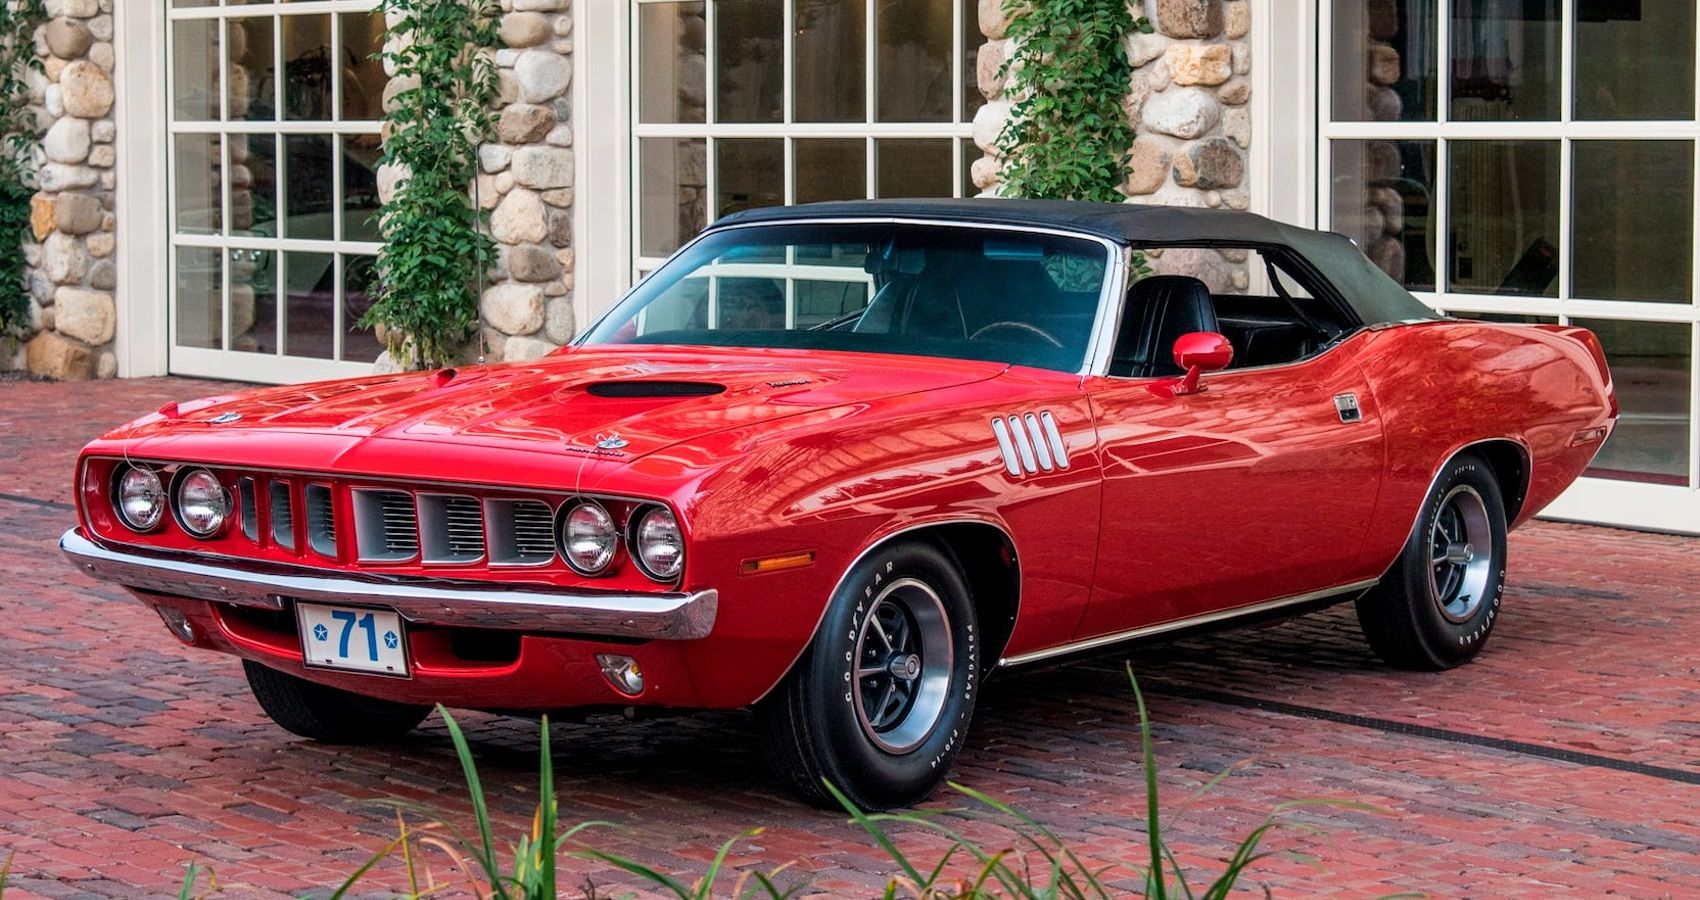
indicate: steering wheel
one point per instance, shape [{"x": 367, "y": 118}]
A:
[{"x": 1022, "y": 327}]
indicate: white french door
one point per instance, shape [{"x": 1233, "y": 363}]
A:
[
  {"x": 272, "y": 147},
  {"x": 746, "y": 103},
  {"x": 1537, "y": 161}
]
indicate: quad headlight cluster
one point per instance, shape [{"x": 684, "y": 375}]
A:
[
  {"x": 200, "y": 502},
  {"x": 590, "y": 539}
]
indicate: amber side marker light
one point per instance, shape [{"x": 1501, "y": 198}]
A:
[{"x": 767, "y": 564}]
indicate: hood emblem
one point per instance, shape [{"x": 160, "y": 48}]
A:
[
  {"x": 610, "y": 442},
  {"x": 224, "y": 418}
]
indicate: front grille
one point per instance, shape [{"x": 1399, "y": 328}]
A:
[
  {"x": 250, "y": 515},
  {"x": 321, "y": 519},
  {"x": 451, "y": 528},
  {"x": 522, "y": 532},
  {"x": 386, "y": 526},
  {"x": 282, "y": 515}
]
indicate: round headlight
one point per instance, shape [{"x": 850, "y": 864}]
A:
[
  {"x": 202, "y": 503},
  {"x": 589, "y": 537},
  {"x": 140, "y": 499},
  {"x": 659, "y": 547}
]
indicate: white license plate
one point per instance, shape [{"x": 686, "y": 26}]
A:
[{"x": 352, "y": 637}]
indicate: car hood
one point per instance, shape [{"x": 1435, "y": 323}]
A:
[{"x": 616, "y": 402}]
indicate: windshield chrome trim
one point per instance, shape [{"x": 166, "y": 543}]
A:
[{"x": 1098, "y": 343}]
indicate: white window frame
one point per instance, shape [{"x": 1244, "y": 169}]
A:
[
  {"x": 1598, "y": 500},
  {"x": 252, "y": 366}
]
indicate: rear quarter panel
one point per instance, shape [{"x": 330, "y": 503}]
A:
[{"x": 1443, "y": 385}]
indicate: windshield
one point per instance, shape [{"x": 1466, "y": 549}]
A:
[{"x": 926, "y": 290}]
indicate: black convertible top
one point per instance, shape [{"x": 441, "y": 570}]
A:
[{"x": 1374, "y": 296}]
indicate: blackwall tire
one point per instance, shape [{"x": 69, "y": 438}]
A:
[
  {"x": 880, "y": 703},
  {"x": 327, "y": 714},
  {"x": 1436, "y": 607}
]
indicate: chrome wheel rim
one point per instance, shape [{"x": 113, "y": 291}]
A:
[
  {"x": 903, "y": 660},
  {"x": 1460, "y": 554}
]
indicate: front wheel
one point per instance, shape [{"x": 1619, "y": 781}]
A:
[
  {"x": 880, "y": 703},
  {"x": 1436, "y": 607},
  {"x": 327, "y": 714}
]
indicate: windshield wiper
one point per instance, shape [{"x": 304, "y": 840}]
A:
[{"x": 833, "y": 323}]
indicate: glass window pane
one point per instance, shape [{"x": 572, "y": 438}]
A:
[
  {"x": 1504, "y": 217},
  {"x": 1386, "y": 66},
  {"x": 198, "y": 302},
  {"x": 306, "y": 67},
  {"x": 970, "y": 153},
  {"x": 830, "y": 45},
  {"x": 358, "y": 278},
  {"x": 200, "y": 206},
  {"x": 1505, "y": 60},
  {"x": 360, "y": 153},
  {"x": 671, "y": 62},
  {"x": 362, "y": 73},
  {"x": 672, "y": 193},
  {"x": 913, "y": 69},
  {"x": 831, "y": 169},
  {"x": 361, "y": 70},
  {"x": 308, "y": 203},
  {"x": 751, "y": 173},
  {"x": 914, "y": 168},
  {"x": 1634, "y": 220},
  {"x": 1635, "y": 60},
  {"x": 972, "y": 39},
  {"x": 194, "y": 70},
  {"x": 253, "y": 70},
  {"x": 245, "y": 269},
  {"x": 1384, "y": 199},
  {"x": 1652, "y": 370},
  {"x": 253, "y": 283},
  {"x": 749, "y": 61},
  {"x": 309, "y": 291},
  {"x": 253, "y": 184}
]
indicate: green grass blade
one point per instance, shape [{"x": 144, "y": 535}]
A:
[
  {"x": 705, "y": 887},
  {"x": 184, "y": 893},
  {"x": 1153, "y": 824},
  {"x": 342, "y": 889},
  {"x": 1180, "y": 876},
  {"x": 677, "y": 887},
  {"x": 874, "y": 831},
  {"x": 6, "y": 871},
  {"x": 546, "y": 842},
  {"x": 486, "y": 854}
]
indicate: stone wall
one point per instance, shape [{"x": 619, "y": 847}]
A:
[
  {"x": 1191, "y": 86},
  {"x": 72, "y": 274},
  {"x": 526, "y": 181}
]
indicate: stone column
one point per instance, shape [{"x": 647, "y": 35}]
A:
[
  {"x": 72, "y": 275},
  {"x": 526, "y": 180},
  {"x": 1188, "y": 100}
]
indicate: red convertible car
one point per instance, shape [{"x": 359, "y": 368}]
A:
[{"x": 841, "y": 462}]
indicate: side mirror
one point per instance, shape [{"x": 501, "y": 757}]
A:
[{"x": 1199, "y": 352}]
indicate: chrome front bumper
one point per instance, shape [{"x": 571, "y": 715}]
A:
[{"x": 661, "y": 616}]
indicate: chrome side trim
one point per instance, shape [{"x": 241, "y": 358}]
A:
[
  {"x": 1005, "y": 448},
  {"x": 674, "y": 616},
  {"x": 1144, "y": 631}
]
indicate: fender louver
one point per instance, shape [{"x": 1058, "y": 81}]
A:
[
  {"x": 1029, "y": 443},
  {"x": 656, "y": 389}
]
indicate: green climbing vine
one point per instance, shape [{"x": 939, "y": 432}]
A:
[
  {"x": 435, "y": 251},
  {"x": 19, "y": 20},
  {"x": 1068, "y": 136}
]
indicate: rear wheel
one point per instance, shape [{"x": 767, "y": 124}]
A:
[
  {"x": 1436, "y": 607},
  {"x": 880, "y": 703},
  {"x": 327, "y": 714}
]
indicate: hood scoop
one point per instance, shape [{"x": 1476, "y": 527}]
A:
[{"x": 649, "y": 388}]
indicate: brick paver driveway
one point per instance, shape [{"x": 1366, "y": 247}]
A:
[{"x": 1566, "y": 762}]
